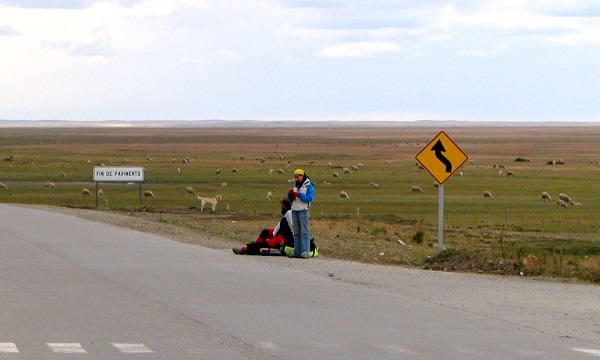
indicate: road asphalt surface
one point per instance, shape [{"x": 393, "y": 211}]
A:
[{"x": 75, "y": 288}]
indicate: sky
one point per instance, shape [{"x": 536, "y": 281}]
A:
[{"x": 384, "y": 60}]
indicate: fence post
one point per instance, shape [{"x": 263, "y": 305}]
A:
[
  {"x": 561, "y": 225},
  {"x": 542, "y": 224}
]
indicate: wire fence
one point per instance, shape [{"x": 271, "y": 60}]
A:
[{"x": 588, "y": 224}]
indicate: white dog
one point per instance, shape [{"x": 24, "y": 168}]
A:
[{"x": 212, "y": 201}]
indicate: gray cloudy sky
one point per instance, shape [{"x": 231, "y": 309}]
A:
[{"x": 512, "y": 60}]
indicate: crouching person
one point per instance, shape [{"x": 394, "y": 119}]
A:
[{"x": 275, "y": 239}]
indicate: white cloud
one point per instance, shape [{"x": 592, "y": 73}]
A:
[{"x": 357, "y": 49}]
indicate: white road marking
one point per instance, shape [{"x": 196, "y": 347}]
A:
[
  {"x": 267, "y": 345},
  {"x": 66, "y": 348},
  {"x": 595, "y": 352},
  {"x": 8, "y": 348},
  {"x": 132, "y": 348}
]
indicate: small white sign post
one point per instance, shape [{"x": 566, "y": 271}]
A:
[{"x": 126, "y": 174}]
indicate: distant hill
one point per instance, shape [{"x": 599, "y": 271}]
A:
[{"x": 275, "y": 124}]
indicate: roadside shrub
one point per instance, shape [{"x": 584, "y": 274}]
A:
[{"x": 418, "y": 237}]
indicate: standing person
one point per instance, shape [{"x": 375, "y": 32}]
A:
[{"x": 301, "y": 196}]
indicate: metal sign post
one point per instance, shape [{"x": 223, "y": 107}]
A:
[{"x": 441, "y": 218}]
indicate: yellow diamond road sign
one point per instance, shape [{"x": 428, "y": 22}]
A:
[{"x": 441, "y": 157}]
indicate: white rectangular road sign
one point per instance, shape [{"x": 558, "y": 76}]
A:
[{"x": 118, "y": 174}]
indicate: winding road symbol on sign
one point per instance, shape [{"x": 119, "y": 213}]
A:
[
  {"x": 441, "y": 157},
  {"x": 438, "y": 148}
]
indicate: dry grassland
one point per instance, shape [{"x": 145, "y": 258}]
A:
[{"x": 514, "y": 233}]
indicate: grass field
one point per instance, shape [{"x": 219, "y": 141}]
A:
[{"x": 515, "y": 232}]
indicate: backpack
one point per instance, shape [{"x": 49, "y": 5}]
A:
[{"x": 314, "y": 249}]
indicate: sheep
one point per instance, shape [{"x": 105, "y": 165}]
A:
[
  {"x": 269, "y": 195},
  {"x": 280, "y": 171},
  {"x": 510, "y": 173},
  {"x": 487, "y": 194},
  {"x": 63, "y": 174},
  {"x": 3, "y": 186},
  {"x": 49, "y": 184},
  {"x": 271, "y": 171},
  {"x": 354, "y": 167},
  {"x": 178, "y": 170},
  {"x": 436, "y": 184},
  {"x": 546, "y": 196},
  {"x": 148, "y": 193},
  {"x": 235, "y": 170},
  {"x": 561, "y": 204},
  {"x": 335, "y": 174},
  {"x": 86, "y": 192},
  {"x": 565, "y": 198},
  {"x": 460, "y": 173},
  {"x": 344, "y": 195},
  {"x": 224, "y": 184},
  {"x": 347, "y": 171},
  {"x": 502, "y": 166},
  {"x": 190, "y": 190},
  {"x": 100, "y": 192},
  {"x": 218, "y": 171},
  {"x": 374, "y": 184},
  {"x": 416, "y": 189},
  {"x": 500, "y": 173}
]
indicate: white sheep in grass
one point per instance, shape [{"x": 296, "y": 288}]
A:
[
  {"x": 347, "y": 171},
  {"x": 416, "y": 189},
  {"x": 235, "y": 170},
  {"x": 561, "y": 204},
  {"x": 565, "y": 198},
  {"x": 190, "y": 190},
  {"x": 269, "y": 195},
  {"x": 500, "y": 173},
  {"x": 218, "y": 171},
  {"x": 148, "y": 193},
  {"x": 487, "y": 194},
  {"x": 510, "y": 173},
  {"x": 374, "y": 184},
  {"x": 280, "y": 171},
  {"x": 100, "y": 192},
  {"x": 49, "y": 184},
  {"x": 436, "y": 184},
  {"x": 86, "y": 192},
  {"x": 336, "y": 175},
  {"x": 344, "y": 195},
  {"x": 546, "y": 196},
  {"x": 3, "y": 186}
]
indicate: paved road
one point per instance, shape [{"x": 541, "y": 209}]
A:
[{"x": 73, "y": 288}]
